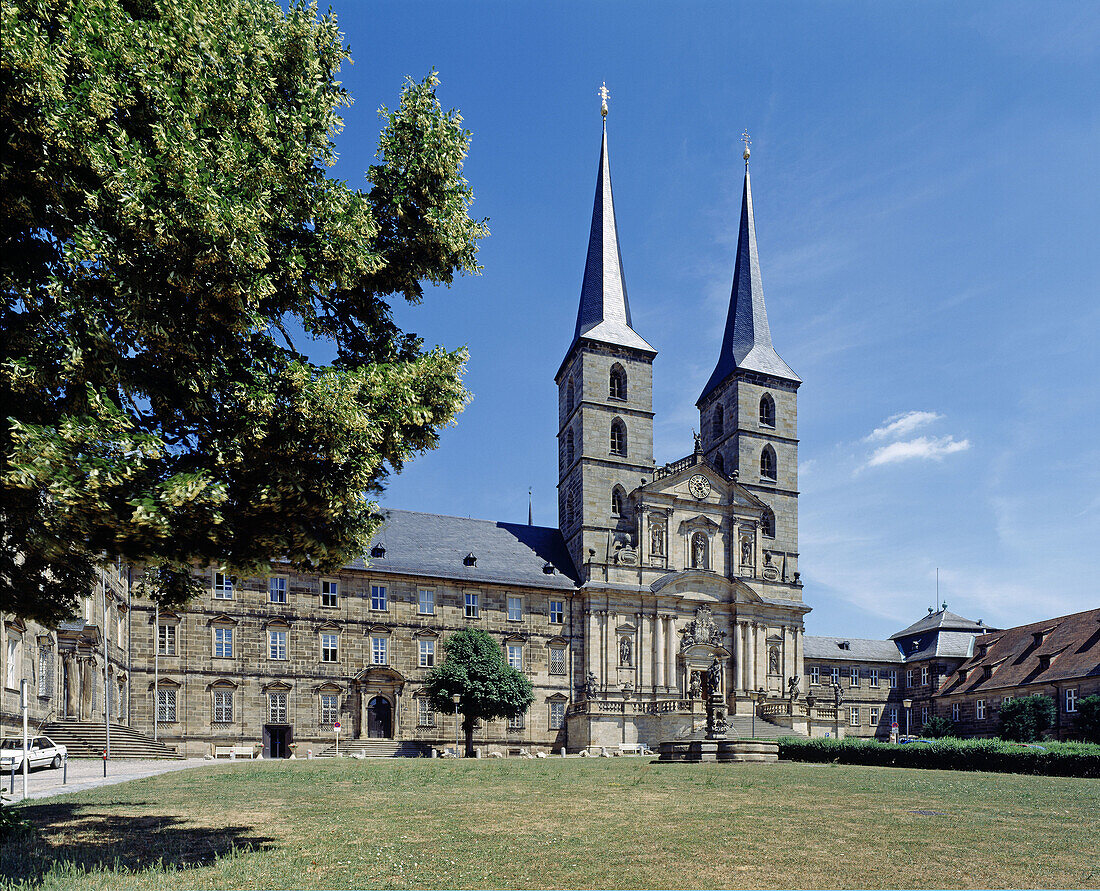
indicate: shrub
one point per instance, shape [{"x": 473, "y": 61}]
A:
[
  {"x": 1024, "y": 719},
  {"x": 937, "y": 727},
  {"x": 1088, "y": 718}
]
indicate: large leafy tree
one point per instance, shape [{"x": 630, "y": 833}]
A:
[
  {"x": 169, "y": 234},
  {"x": 1026, "y": 718},
  {"x": 473, "y": 667}
]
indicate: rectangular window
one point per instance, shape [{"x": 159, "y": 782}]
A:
[
  {"x": 834, "y": 674},
  {"x": 923, "y": 715},
  {"x": 872, "y": 677},
  {"x": 955, "y": 711},
  {"x": 45, "y": 671},
  {"x": 853, "y": 716},
  {"x": 11, "y": 678},
  {"x": 893, "y": 680},
  {"x": 893, "y": 716},
  {"x": 515, "y": 608},
  {"x": 979, "y": 709},
  {"x": 166, "y": 640},
  {"x": 557, "y": 612},
  {"x": 276, "y": 645},
  {"x": 166, "y": 706},
  {"x": 853, "y": 677},
  {"x": 223, "y": 643},
  {"x": 427, "y": 653},
  {"x": 874, "y": 717},
  {"x": 425, "y": 716},
  {"x": 909, "y": 678},
  {"x": 472, "y": 607},
  {"x": 1071, "y": 699},
  {"x": 223, "y": 586},
  {"x": 276, "y": 708},
  {"x": 276, "y": 590},
  {"x": 378, "y": 650},
  {"x": 328, "y": 648},
  {"x": 557, "y": 715},
  {"x": 516, "y": 723},
  {"x": 1006, "y": 700},
  {"x": 515, "y": 657},
  {"x": 425, "y": 598},
  {"x": 815, "y": 674},
  {"x": 557, "y": 660},
  {"x": 378, "y": 597},
  {"x": 223, "y": 706},
  {"x": 330, "y": 593},
  {"x": 330, "y": 708},
  {"x": 924, "y": 675}
]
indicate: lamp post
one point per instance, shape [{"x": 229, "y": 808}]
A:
[
  {"x": 908, "y": 704},
  {"x": 457, "y": 698},
  {"x": 754, "y": 695}
]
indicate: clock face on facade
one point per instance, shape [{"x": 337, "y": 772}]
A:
[{"x": 699, "y": 486}]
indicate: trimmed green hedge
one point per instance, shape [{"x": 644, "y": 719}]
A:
[{"x": 1067, "y": 759}]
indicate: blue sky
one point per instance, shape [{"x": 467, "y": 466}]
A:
[{"x": 926, "y": 181}]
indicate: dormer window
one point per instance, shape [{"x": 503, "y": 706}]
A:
[
  {"x": 469, "y": 560},
  {"x": 378, "y": 552}
]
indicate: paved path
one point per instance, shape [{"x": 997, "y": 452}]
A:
[{"x": 86, "y": 774}]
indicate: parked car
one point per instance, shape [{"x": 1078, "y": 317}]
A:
[{"x": 43, "y": 753}]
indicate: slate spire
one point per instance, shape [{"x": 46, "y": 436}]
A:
[
  {"x": 747, "y": 343},
  {"x": 604, "y": 313}
]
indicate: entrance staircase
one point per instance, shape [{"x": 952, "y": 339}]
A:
[
  {"x": 375, "y": 748},
  {"x": 741, "y": 728},
  {"x": 88, "y": 739}
]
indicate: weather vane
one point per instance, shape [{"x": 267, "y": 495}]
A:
[
  {"x": 747, "y": 142},
  {"x": 604, "y": 94}
]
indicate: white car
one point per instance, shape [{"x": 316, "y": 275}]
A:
[{"x": 43, "y": 753}]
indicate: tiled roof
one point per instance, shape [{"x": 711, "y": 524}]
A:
[
  {"x": 942, "y": 620},
  {"x": 437, "y": 546},
  {"x": 1040, "y": 653},
  {"x": 948, "y": 644},
  {"x": 858, "y": 649}
]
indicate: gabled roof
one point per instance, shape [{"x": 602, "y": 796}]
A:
[
  {"x": 857, "y": 650},
  {"x": 943, "y": 620},
  {"x": 437, "y": 546},
  {"x": 747, "y": 342}
]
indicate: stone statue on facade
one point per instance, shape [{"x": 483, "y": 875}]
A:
[
  {"x": 699, "y": 553},
  {"x": 773, "y": 661},
  {"x": 838, "y": 696},
  {"x": 589, "y": 690},
  {"x": 625, "y": 651},
  {"x": 695, "y": 688},
  {"x": 657, "y": 540},
  {"x": 792, "y": 688},
  {"x": 746, "y": 550},
  {"x": 716, "y": 711},
  {"x": 702, "y": 630}
]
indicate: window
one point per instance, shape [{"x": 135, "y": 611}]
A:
[
  {"x": 616, "y": 503},
  {"x": 378, "y": 597},
  {"x": 426, "y": 601},
  {"x": 557, "y": 715},
  {"x": 767, "y": 410},
  {"x": 223, "y": 586},
  {"x": 330, "y": 592},
  {"x": 378, "y": 650},
  {"x": 516, "y": 722},
  {"x": 909, "y": 678},
  {"x": 720, "y": 464},
  {"x": 166, "y": 640},
  {"x": 979, "y": 709},
  {"x": 955, "y": 710},
  {"x": 427, "y": 653},
  {"x": 425, "y": 716},
  {"x": 223, "y": 706},
  {"x": 872, "y": 677},
  {"x": 853, "y": 676},
  {"x": 924, "y": 675},
  {"x": 1071, "y": 700},
  {"x": 569, "y": 449},
  {"x": 873, "y": 714},
  {"x": 617, "y": 382},
  {"x": 276, "y": 708},
  {"x": 569, "y": 397},
  {"x": 767, "y": 463},
  {"x": 923, "y": 715},
  {"x": 717, "y": 424},
  {"x": 45, "y": 672},
  {"x": 328, "y": 647},
  {"x": 557, "y": 660},
  {"x": 223, "y": 643},
  {"x": 557, "y": 612},
  {"x": 276, "y": 645},
  {"x": 834, "y": 675},
  {"x": 515, "y": 656},
  {"x": 815, "y": 674},
  {"x": 11, "y": 678},
  {"x": 853, "y": 716},
  {"x": 276, "y": 588},
  {"x": 893, "y": 680},
  {"x": 893, "y": 713},
  {"x": 618, "y": 438},
  {"x": 515, "y": 608},
  {"x": 472, "y": 608},
  {"x": 1005, "y": 701},
  {"x": 166, "y": 706},
  {"x": 330, "y": 708}
]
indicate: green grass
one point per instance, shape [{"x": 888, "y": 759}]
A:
[{"x": 561, "y": 824}]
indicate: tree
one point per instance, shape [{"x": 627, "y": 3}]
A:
[
  {"x": 1088, "y": 718},
  {"x": 474, "y": 668},
  {"x": 1025, "y": 718},
  {"x": 937, "y": 727},
  {"x": 167, "y": 229}
]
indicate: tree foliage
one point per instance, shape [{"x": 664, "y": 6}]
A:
[
  {"x": 1088, "y": 718},
  {"x": 474, "y": 668},
  {"x": 167, "y": 228},
  {"x": 1026, "y": 718},
  {"x": 937, "y": 727}
]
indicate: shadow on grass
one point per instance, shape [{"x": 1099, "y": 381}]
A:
[{"x": 89, "y": 837}]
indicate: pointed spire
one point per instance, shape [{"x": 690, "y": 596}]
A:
[
  {"x": 604, "y": 312},
  {"x": 747, "y": 343},
  {"x": 530, "y": 516}
]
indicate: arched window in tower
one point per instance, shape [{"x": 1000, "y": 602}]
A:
[
  {"x": 568, "y": 511},
  {"x": 569, "y": 449},
  {"x": 720, "y": 464},
  {"x": 569, "y": 398},
  {"x": 699, "y": 551},
  {"x": 617, "y": 382},
  {"x": 617, "y": 502},
  {"x": 717, "y": 425},
  {"x": 767, "y": 524},
  {"x": 767, "y": 410},
  {"x": 768, "y": 463},
  {"x": 618, "y": 437}
]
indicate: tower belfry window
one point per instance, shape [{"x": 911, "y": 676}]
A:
[
  {"x": 569, "y": 449},
  {"x": 618, "y": 438},
  {"x": 767, "y": 411},
  {"x": 617, "y": 502},
  {"x": 569, "y": 398},
  {"x": 617, "y": 382},
  {"x": 717, "y": 425},
  {"x": 768, "y": 463}
]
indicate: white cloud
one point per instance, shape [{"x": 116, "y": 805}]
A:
[
  {"x": 901, "y": 425},
  {"x": 922, "y": 448}
]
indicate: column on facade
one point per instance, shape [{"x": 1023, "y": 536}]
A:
[
  {"x": 639, "y": 652},
  {"x": 737, "y": 661},
  {"x": 605, "y": 678},
  {"x": 797, "y": 669},
  {"x": 591, "y": 645},
  {"x": 784, "y": 653},
  {"x": 751, "y": 654},
  {"x": 670, "y": 651},
  {"x": 659, "y": 650}
]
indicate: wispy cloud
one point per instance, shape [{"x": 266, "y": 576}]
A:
[
  {"x": 897, "y": 426},
  {"x": 924, "y": 448}
]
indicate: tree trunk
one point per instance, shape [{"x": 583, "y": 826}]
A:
[{"x": 468, "y": 727}]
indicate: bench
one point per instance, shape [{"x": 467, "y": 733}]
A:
[
  {"x": 233, "y": 752},
  {"x": 634, "y": 749}
]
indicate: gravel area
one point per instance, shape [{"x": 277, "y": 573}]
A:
[{"x": 87, "y": 774}]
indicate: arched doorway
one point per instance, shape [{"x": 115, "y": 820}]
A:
[{"x": 379, "y": 718}]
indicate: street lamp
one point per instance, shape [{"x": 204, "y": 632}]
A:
[
  {"x": 908, "y": 703},
  {"x": 755, "y": 696},
  {"x": 457, "y": 698}
]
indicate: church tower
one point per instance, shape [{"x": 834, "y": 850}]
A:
[
  {"x": 605, "y": 397},
  {"x": 748, "y": 410}
]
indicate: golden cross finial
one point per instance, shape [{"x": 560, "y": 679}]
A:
[
  {"x": 604, "y": 93},
  {"x": 747, "y": 142}
]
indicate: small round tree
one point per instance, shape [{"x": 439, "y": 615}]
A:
[
  {"x": 473, "y": 667},
  {"x": 1026, "y": 718},
  {"x": 1088, "y": 718},
  {"x": 937, "y": 727}
]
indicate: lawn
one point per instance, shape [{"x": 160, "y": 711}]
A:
[{"x": 622, "y": 823}]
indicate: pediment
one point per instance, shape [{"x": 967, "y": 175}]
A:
[
  {"x": 557, "y": 641},
  {"x": 276, "y": 622},
  {"x": 694, "y": 584},
  {"x": 677, "y": 483},
  {"x": 328, "y": 687},
  {"x": 626, "y": 628},
  {"x": 276, "y": 687},
  {"x": 222, "y": 619},
  {"x": 328, "y": 626},
  {"x": 699, "y": 521},
  {"x": 222, "y": 684}
]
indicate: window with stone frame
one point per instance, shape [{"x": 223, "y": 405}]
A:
[
  {"x": 892, "y": 713},
  {"x": 893, "y": 679},
  {"x": 570, "y": 449},
  {"x": 767, "y": 410},
  {"x": 425, "y": 599},
  {"x": 616, "y": 502},
  {"x": 515, "y": 608},
  {"x": 223, "y": 586},
  {"x": 909, "y": 678},
  {"x": 329, "y": 641},
  {"x": 853, "y": 716},
  {"x": 618, "y": 438},
  {"x": 1071, "y": 700},
  {"x": 14, "y": 661},
  {"x": 223, "y": 706},
  {"x": 557, "y": 612},
  {"x": 834, "y": 675},
  {"x": 815, "y": 674},
  {"x": 979, "y": 709},
  {"x": 473, "y": 605},
  {"x": 426, "y": 652},
  {"x": 924, "y": 675},
  {"x": 45, "y": 672},
  {"x": 956, "y": 711},
  {"x": 872, "y": 677},
  {"x": 717, "y": 422},
  {"x": 425, "y": 714},
  {"x": 277, "y": 712},
  {"x": 328, "y": 708},
  {"x": 330, "y": 593},
  {"x": 616, "y": 388},
  {"x": 767, "y": 523},
  {"x": 873, "y": 716},
  {"x": 166, "y": 639},
  {"x": 378, "y": 598},
  {"x": 515, "y": 656},
  {"x": 223, "y": 642},
  {"x": 923, "y": 715},
  {"x": 166, "y": 705},
  {"x": 557, "y": 714},
  {"x": 569, "y": 397},
  {"x": 853, "y": 676},
  {"x": 768, "y": 464},
  {"x": 276, "y": 645},
  {"x": 720, "y": 463},
  {"x": 516, "y": 722},
  {"x": 379, "y": 647},
  {"x": 557, "y": 660},
  {"x": 276, "y": 589}
]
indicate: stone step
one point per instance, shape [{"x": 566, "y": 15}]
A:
[
  {"x": 376, "y": 748},
  {"x": 88, "y": 739}
]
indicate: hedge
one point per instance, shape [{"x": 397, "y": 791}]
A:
[{"x": 1067, "y": 759}]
